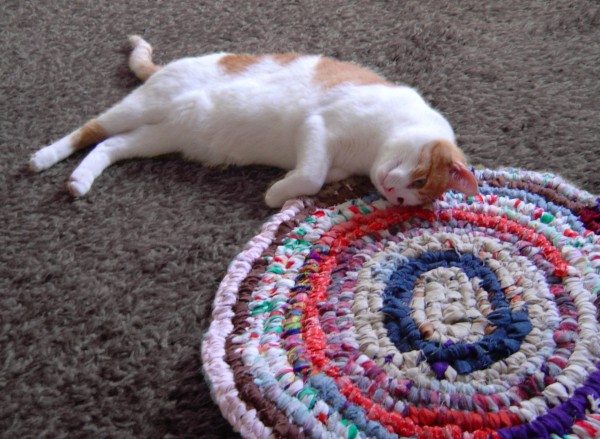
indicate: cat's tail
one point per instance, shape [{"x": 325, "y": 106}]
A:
[{"x": 140, "y": 60}]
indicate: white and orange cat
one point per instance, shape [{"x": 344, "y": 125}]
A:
[{"x": 322, "y": 119}]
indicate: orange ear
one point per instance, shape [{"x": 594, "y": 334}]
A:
[
  {"x": 446, "y": 170},
  {"x": 462, "y": 180}
]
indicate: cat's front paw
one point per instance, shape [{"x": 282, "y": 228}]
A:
[
  {"x": 275, "y": 196},
  {"x": 290, "y": 187}
]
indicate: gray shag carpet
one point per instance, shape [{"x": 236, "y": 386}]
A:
[{"x": 103, "y": 300}]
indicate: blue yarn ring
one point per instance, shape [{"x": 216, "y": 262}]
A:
[{"x": 511, "y": 327}]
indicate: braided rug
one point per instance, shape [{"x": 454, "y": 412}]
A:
[{"x": 476, "y": 318}]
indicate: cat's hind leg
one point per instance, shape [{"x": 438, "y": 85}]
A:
[
  {"x": 146, "y": 141},
  {"x": 124, "y": 116},
  {"x": 90, "y": 133}
]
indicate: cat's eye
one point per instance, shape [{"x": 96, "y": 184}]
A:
[{"x": 417, "y": 184}]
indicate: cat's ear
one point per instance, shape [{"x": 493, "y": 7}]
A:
[
  {"x": 461, "y": 179},
  {"x": 447, "y": 171}
]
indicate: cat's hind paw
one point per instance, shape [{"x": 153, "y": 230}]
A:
[
  {"x": 78, "y": 185},
  {"x": 42, "y": 160}
]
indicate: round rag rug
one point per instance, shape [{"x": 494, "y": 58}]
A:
[{"x": 476, "y": 318}]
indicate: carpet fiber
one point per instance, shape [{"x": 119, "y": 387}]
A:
[{"x": 103, "y": 300}]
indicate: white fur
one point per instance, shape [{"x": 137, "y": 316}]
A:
[{"x": 271, "y": 115}]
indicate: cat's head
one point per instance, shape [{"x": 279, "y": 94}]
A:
[{"x": 420, "y": 176}]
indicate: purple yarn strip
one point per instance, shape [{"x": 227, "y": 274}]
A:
[{"x": 559, "y": 419}]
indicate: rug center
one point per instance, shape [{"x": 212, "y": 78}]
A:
[{"x": 448, "y": 307}]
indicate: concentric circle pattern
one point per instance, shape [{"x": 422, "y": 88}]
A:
[{"x": 475, "y": 318}]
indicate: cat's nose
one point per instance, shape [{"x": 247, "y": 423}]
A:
[{"x": 400, "y": 201}]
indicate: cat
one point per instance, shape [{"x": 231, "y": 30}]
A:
[{"x": 321, "y": 119}]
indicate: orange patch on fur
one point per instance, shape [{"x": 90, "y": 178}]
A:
[
  {"x": 89, "y": 134},
  {"x": 233, "y": 64},
  {"x": 285, "y": 58},
  {"x": 330, "y": 73},
  {"x": 434, "y": 165}
]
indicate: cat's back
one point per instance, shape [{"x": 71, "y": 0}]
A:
[
  {"x": 304, "y": 72},
  {"x": 218, "y": 69},
  {"x": 315, "y": 71},
  {"x": 269, "y": 67}
]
